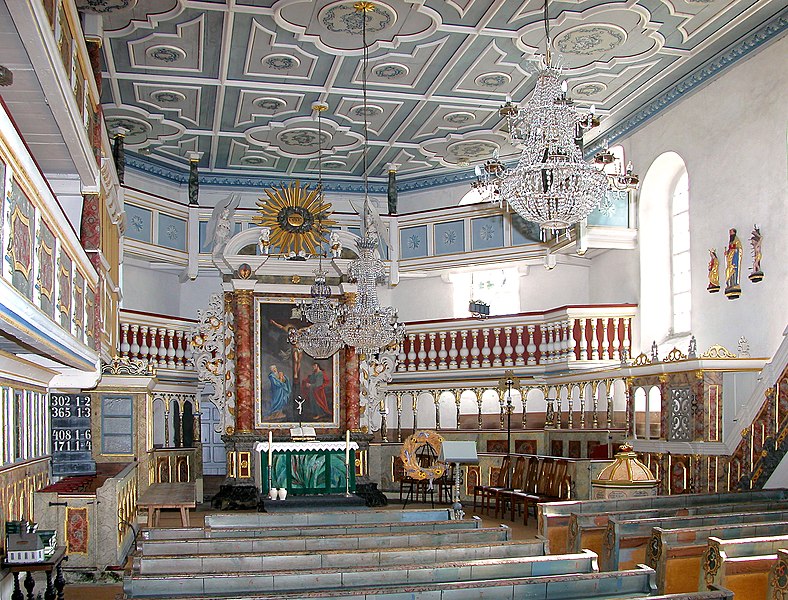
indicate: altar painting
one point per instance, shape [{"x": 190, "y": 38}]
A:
[{"x": 286, "y": 377}]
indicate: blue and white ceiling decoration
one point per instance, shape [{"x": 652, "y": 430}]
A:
[{"x": 236, "y": 80}]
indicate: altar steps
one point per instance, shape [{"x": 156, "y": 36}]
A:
[
  {"x": 314, "y": 503},
  {"x": 343, "y": 517}
]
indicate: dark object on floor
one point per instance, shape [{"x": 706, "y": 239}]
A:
[
  {"x": 369, "y": 491},
  {"x": 238, "y": 497}
]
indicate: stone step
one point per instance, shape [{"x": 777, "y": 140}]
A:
[
  {"x": 346, "y": 517},
  {"x": 321, "y": 544},
  {"x": 158, "y": 565},
  {"x": 634, "y": 583}
]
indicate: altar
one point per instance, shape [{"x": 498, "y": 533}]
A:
[{"x": 305, "y": 468}]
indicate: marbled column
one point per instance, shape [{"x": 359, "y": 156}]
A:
[
  {"x": 350, "y": 385},
  {"x": 244, "y": 378},
  {"x": 90, "y": 238}
]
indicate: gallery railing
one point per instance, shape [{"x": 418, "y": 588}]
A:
[
  {"x": 588, "y": 334},
  {"x": 162, "y": 340}
]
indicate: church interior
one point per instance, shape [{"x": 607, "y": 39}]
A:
[{"x": 393, "y": 299}]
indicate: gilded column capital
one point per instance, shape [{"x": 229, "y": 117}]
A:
[{"x": 244, "y": 297}]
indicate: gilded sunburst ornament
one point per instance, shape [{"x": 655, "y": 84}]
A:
[{"x": 299, "y": 218}]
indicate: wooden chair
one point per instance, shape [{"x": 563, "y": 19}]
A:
[
  {"x": 484, "y": 492},
  {"x": 552, "y": 484},
  {"x": 503, "y": 498}
]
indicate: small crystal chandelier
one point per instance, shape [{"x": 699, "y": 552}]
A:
[
  {"x": 622, "y": 182},
  {"x": 364, "y": 323},
  {"x": 321, "y": 339},
  {"x": 551, "y": 184}
]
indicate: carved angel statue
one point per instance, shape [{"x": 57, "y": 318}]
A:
[
  {"x": 732, "y": 266},
  {"x": 220, "y": 227},
  {"x": 755, "y": 242},
  {"x": 336, "y": 244},
  {"x": 264, "y": 241},
  {"x": 743, "y": 348},
  {"x": 714, "y": 271},
  {"x": 692, "y": 352}
]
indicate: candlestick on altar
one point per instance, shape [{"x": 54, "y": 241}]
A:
[
  {"x": 347, "y": 463},
  {"x": 270, "y": 458}
]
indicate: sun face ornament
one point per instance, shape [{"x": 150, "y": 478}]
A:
[{"x": 298, "y": 216}]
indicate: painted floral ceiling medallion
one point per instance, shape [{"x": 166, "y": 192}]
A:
[{"x": 299, "y": 218}]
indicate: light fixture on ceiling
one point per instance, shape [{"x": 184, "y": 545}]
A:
[
  {"x": 363, "y": 323},
  {"x": 551, "y": 184},
  {"x": 618, "y": 180},
  {"x": 321, "y": 339}
]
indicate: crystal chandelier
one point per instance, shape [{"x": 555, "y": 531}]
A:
[
  {"x": 321, "y": 339},
  {"x": 364, "y": 323},
  {"x": 551, "y": 184}
]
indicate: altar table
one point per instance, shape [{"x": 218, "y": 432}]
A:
[{"x": 304, "y": 468}]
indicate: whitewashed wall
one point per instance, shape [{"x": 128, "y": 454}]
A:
[{"x": 731, "y": 135}]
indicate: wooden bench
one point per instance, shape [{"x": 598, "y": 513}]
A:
[
  {"x": 180, "y": 496},
  {"x": 337, "y": 517},
  {"x": 588, "y": 530},
  {"x": 741, "y": 565},
  {"x": 554, "y": 517},
  {"x": 465, "y": 580},
  {"x": 778, "y": 581},
  {"x": 322, "y": 543},
  {"x": 675, "y": 554},
  {"x": 626, "y": 541},
  {"x": 160, "y": 564}
]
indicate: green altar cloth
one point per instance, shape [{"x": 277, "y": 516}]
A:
[{"x": 304, "y": 470}]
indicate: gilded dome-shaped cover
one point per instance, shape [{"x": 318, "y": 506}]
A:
[{"x": 626, "y": 469}]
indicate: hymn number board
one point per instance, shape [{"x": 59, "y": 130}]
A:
[{"x": 72, "y": 441}]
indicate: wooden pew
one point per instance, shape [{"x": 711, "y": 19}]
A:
[
  {"x": 554, "y": 517},
  {"x": 194, "y": 533},
  {"x": 467, "y": 581},
  {"x": 778, "y": 577},
  {"x": 588, "y": 530},
  {"x": 425, "y": 555},
  {"x": 339, "y": 517},
  {"x": 675, "y": 554},
  {"x": 626, "y": 540},
  {"x": 741, "y": 565},
  {"x": 323, "y": 543}
]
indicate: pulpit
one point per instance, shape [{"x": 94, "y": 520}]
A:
[{"x": 305, "y": 468}]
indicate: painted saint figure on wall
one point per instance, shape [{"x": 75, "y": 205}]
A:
[
  {"x": 756, "y": 238},
  {"x": 316, "y": 385},
  {"x": 733, "y": 266}
]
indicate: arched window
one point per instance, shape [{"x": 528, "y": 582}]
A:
[{"x": 681, "y": 277}]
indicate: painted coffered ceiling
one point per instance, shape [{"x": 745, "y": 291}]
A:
[{"x": 236, "y": 79}]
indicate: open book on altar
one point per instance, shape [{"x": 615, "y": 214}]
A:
[{"x": 303, "y": 433}]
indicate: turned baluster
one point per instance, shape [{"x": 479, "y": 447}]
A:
[
  {"x": 442, "y": 352},
  {"x": 144, "y": 342},
  {"x": 457, "y": 402},
  {"x": 502, "y": 402},
  {"x": 508, "y": 349},
  {"x": 558, "y": 409},
  {"x": 570, "y": 423},
  {"x": 170, "y": 349},
  {"x": 187, "y": 352},
  {"x": 594, "y": 341},
  {"x": 453, "y": 353},
  {"x": 415, "y": 406},
  {"x": 616, "y": 343},
  {"x": 479, "y": 393},
  {"x": 531, "y": 347},
  {"x": 179, "y": 353},
  {"x": 549, "y": 415},
  {"x": 124, "y": 340},
  {"x": 412, "y": 352},
  {"x": 595, "y": 415},
  {"x": 542, "y": 345},
  {"x": 134, "y": 349},
  {"x": 583, "y": 404},
  {"x": 571, "y": 353},
  {"x": 401, "y": 357},
  {"x": 475, "y": 349},
  {"x": 384, "y": 436},
  {"x": 519, "y": 348},
  {"x": 432, "y": 353},
  {"x": 436, "y": 398},
  {"x": 422, "y": 353},
  {"x": 153, "y": 350},
  {"x": 625, "y": 340},
  {"x": 524, "y": 398},
  {"x": 610, "y": 408},
  {"x": 497, "y": 349},
  {"x": 605, "y": 343},
  {"x": 464, "y": 349},
  {"x": 583, "y": 341},
  {"x": 485, "y": 349}
]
